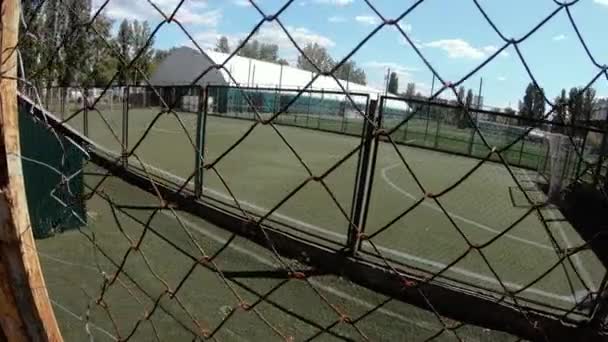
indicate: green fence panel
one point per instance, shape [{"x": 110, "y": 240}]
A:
[{"x": 45, "y": 189}]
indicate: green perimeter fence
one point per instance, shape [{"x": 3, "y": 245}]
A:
[
  {"x": 436, "y": 124},
  {"x": 413, "y": 122}
]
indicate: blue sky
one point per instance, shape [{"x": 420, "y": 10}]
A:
[{"x": 451, "y": 34}]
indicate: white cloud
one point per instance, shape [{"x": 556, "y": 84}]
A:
[
  {"x": 407, "y": 28},
  {"x": 561, "y": 36},
  {"x": 491, "y": 49},
  {"x": 242, "y": 3},
  {"x": 398, "y": 68},
  {"x": 302, "y": 35},
  {"x": 501, "y": 78},
  {"x": 336, "y": 19},
  {"x": 191, "y": 12},
  {"x": 601, "y": 2},
  {"x": 459, "y": 48},
  {"x": 339, "y": 3},
  {"x": 367, "y": 19}
]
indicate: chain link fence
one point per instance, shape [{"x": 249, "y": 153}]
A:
[{"x": 235, "y": 213}]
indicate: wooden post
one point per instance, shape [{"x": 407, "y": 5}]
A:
[{"x": 26, "y": 313}]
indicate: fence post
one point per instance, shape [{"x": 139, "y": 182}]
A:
[
  {"x": 521, "y": 151},
  {"x": 598, "y": 170},
  {"x": 125, "y": 127},
  {"x": 85, "y": 114},
  {"x": 439, "y": 119},
  {"x": 63, "y": 94},
  {"x": 343, "y": 123},
  {"x": 473, "y": 131},
  {"x": 364, "y": 178},
  {"x": 582, "y": 158},
  {"x": 201, "y": 119},
  {"x": 26, "y": 311}
]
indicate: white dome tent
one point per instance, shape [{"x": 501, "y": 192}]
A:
[{"x": 242, "y": 75}]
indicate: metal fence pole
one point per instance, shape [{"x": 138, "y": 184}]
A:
[
  {"x": 439, "y": 119},
  {"x": 364, "y": 177},
  {"x": 473, "y": 131},
  {"x": 582, "y": 158},
  {"x": 404, "y": 138},
  {"x": 201, "y": 118},
  {"x": 598, "y": 170},
  {"x": 521, "y": 151},
  {"x": 125, "y": 126},
  {"x": 85, "y": 114},
  {"x": 63, "y": 94},
  {"x": 320, "y": 103},
  {"x": 308, "y": 108},
  {"x": 343, "y": 123}
]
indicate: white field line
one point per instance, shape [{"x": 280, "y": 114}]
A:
[
  {"x": 438, "y": 265},
  {"x": 168, "y": 131},
  {"x": 577, "y": 260},
  {"x": 65, "y": 262},
  {"x": 267, "y": 262},
  {"x": 91, "y": 268},
  {"x": 456, "y": 216},
  {"x": 79, "y": 318}
]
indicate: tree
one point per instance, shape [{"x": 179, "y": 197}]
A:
[
  {"x": 103, "y": 64},
  {"x": 30, "y": 41},
  {"x": 349, "y": 71},
  {"x": 561, "y": 103},
  {"x": 222, "y": 45},
  {"x": 533, "y": 104},
  {"x": 538, "y": 109},
  {"x": 124, "y": 37},
  {"x": 463, "y": 120},
  {"x": 317, "y": 56},
  {"x": 588, "y": 103},
  {"x": 359, "y": 76},
  {"x": 410, "y": 90},
  {"x": 54, "y": 28},
  {"x": 76, "y": 68},
  {"x": 141, "y": 47},
  {"x": 461, "y": 92},
  {"x": 460, "y": 119},
  {"x": 393, "y": 83},
  {"x": 269, "y": 52},
  {"x": 283, "y": 61},
  {"x": 469, "y": 100},
  {"x": 251, "y": 49},
  {"x": 576, "y": 105}
]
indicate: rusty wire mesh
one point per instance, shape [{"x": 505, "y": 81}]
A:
[{"x": 137, "y": 291}]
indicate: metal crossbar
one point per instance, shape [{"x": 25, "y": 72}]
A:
[{"x": 162, "y": 231}]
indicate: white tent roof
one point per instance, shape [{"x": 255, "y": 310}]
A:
[{"x": 254, "y": 73}]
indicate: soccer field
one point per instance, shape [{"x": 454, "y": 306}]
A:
[
  {"x": 76, "y": 263},
  {"x": 261, "y": 171}
]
